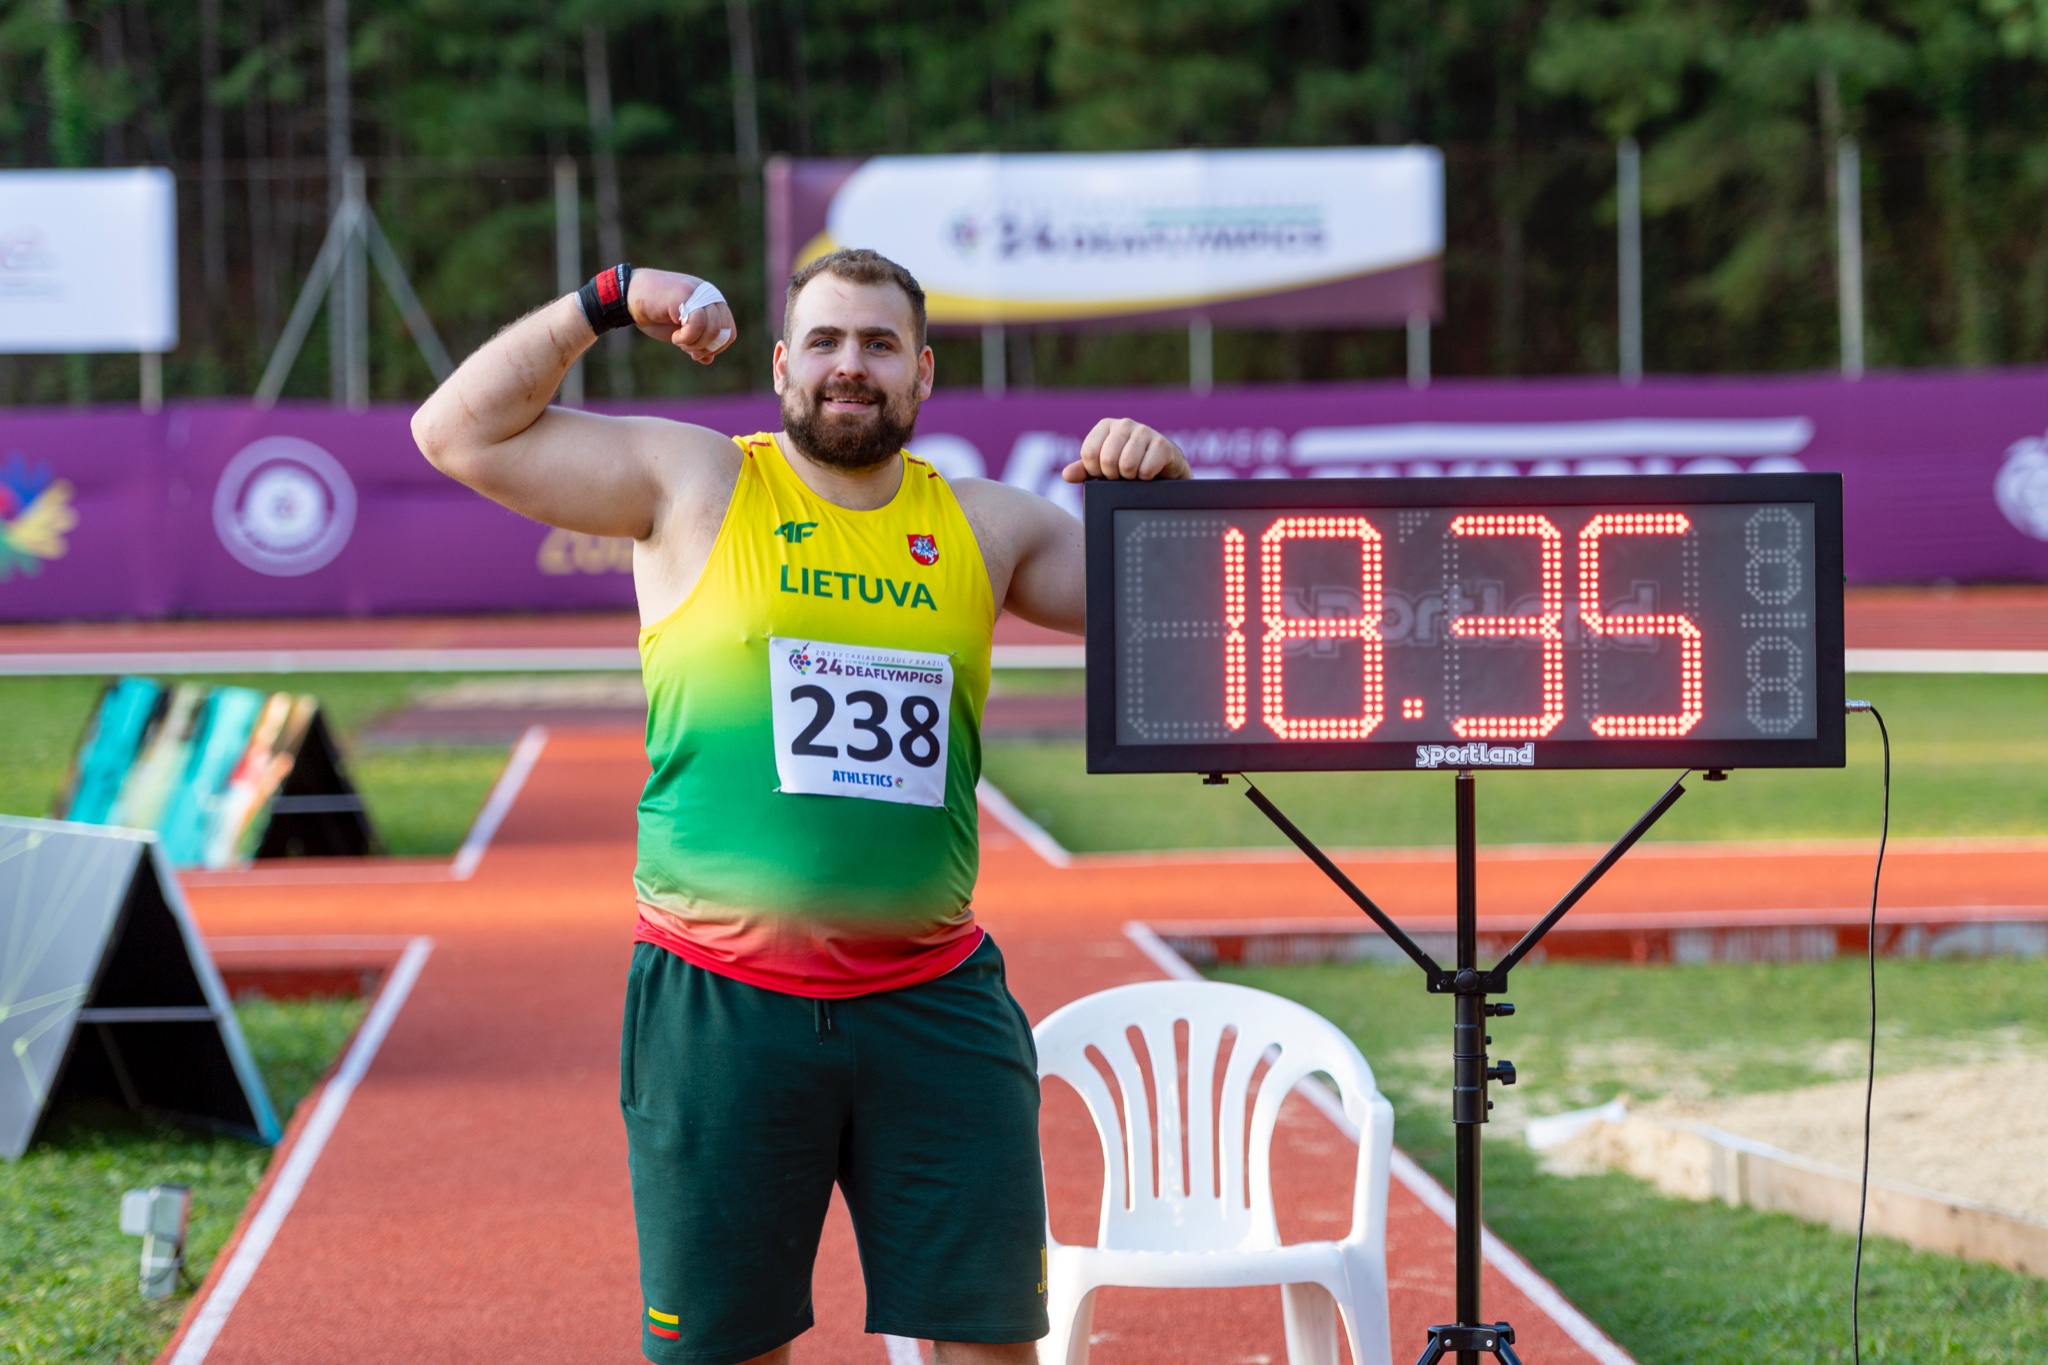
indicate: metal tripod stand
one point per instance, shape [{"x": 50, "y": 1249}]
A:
[
  {"x": 340, "y": 277},
  {"x": 1469, "y": 988}
]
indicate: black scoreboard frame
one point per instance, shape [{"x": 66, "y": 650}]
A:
[{"x": 1102, "y": 499}]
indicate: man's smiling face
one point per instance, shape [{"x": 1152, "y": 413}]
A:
[{"x": 851, "y": 373}]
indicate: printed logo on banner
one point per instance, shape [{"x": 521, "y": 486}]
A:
[
  {"x": 284, "y": 507},
  {"x": 2022, "y": 486},
  {"x": 28, "y": 268},
  {"x": 565, "y": 552},
  {"x": 35, "y": 515},
  {"x": 1053, "y": 238}
]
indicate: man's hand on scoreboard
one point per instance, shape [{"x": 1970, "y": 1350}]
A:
[{"x": 1120, "y": 448}]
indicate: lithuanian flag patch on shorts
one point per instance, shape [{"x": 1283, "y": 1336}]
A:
[{"x": 664, "y": 1324}]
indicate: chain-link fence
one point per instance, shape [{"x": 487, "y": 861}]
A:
[{"x": 1739, "y": 274}]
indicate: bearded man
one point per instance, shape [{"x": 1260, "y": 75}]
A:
[{"x": 810, "y": 999}]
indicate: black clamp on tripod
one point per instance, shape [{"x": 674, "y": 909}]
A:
[{"x": 1469, "y": 986}]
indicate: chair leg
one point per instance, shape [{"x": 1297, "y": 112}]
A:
[
  {"x": 1311, "y": 1317},
  {"x": 1366, "y": 1331},
  {"x": 1072, "y": 1321},
  {"x": 1363, "y": 1307}
]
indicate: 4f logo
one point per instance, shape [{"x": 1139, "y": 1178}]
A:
[{"x": 796, "y": 532}]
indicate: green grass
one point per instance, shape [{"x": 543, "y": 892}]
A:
[
  {"x": 67, "y": 1273},
  {"x": 422, "y": 799},
  {"x": 1969, "y": 757},
  {"x": 1036, "y": 681},
  {"x": 1672, "y": 1280},
  {"x": 1583, "y": 1033}
]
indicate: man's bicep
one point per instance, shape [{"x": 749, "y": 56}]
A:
[
  {"x": 608, "y": 476},
  {"x": 1048, "y": 585}
]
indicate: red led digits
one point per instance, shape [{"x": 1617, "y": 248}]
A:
[
  {"x": 1233, "y": 618},
  {"x": 1543, "y": 627},
  {"x": 1691, "y": 688},
  {"x": 1280, "y": 627}
]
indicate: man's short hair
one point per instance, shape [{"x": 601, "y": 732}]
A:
[{"x": 857, "y": 265}]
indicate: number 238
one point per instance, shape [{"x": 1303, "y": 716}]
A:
[{"x": 918, "y": 744}]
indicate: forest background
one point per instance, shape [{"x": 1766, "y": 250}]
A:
[{"x": 461, "y": 109}]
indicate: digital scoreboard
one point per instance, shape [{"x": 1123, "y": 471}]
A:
[{"x": 1657, "y": 621}]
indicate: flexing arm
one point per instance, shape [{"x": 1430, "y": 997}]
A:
[{"x": 489, "y": 425}]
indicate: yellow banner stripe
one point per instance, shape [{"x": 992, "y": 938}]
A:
[
  {"x": 943, "y": 307},
  {"x": 669, "y": 1318}
]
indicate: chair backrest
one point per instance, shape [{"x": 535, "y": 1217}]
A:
[{"x": 1186, "y": 1154}]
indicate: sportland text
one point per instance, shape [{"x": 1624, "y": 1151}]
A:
[{"x": 1474, "y": 756}]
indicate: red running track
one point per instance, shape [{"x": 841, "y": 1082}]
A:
[
  {"x": 2000, "y": 617},
  {"x": 472, "y": 1202}
]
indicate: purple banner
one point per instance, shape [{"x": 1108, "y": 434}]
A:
[{"x": 219, "y": 509}]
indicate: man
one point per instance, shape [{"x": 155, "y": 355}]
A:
[{"x": 810, "y": 999}]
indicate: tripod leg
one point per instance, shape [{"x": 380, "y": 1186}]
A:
[{"x": 1469, "y": 1343}]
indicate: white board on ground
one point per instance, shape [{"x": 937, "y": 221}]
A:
[{"x": 107, "y": 991}]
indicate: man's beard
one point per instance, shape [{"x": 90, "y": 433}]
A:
[{"x": 849, "y": 441}]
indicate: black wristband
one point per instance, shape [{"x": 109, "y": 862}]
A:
[{"x": 604, "y": 299}]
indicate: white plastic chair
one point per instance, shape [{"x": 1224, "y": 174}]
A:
[{"x": 1211, "y": 1224}]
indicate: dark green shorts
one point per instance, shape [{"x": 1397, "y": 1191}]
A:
[{"x": 743, "y": 1107}]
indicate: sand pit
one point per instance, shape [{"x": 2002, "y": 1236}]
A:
[
  {"x": 1972, "y": 1132},
  {"x": 1959, "y": 1155}
]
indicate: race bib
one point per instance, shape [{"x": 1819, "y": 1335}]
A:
[{"x": 853, "y": 720}]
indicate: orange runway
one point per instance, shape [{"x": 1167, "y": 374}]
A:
[
  {"x": 472, "y": 1203},
  {"x": 1994, "y": 618}
]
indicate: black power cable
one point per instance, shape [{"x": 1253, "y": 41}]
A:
[{"x": 1870, "y": 1072}]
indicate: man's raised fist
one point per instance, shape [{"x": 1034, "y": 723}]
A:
[{"x": 661, "y": 302}]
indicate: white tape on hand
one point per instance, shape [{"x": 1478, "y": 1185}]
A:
[{"x": 704, "y": 296}]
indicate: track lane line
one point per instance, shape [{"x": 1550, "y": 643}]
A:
[
  {"x": 212, "y": 1316},
  {"x": 298, "y": 943},
  {"x": 1032, "y": 834},
  {"x": 384, "y": 871},
  {"x": 510, "y": 783},
  {"x": 374, "y": 659},
  {"x": 571, "y": 659}
]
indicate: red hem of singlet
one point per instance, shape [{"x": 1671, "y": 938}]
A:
[{"x": 914, "y": 972}]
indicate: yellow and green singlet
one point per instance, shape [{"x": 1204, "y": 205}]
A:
[{"x": 820, "y": 896}]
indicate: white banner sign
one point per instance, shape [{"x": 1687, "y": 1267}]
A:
[
  {"x": 1057, "y": 237},
  {"x": 88, "y": 261}
]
